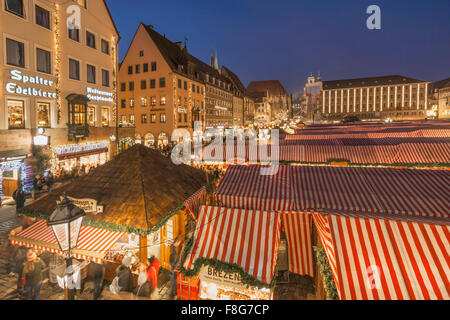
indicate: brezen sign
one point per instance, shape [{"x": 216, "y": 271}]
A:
[{"x": 27, "y": 85}]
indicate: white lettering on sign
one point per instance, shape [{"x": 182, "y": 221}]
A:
[
  {"x": 97, "y": 95},
  {"x": 82, "y": 147},
  {"x": 228, "y": 279},
  {"x": 28, "y": 90}
]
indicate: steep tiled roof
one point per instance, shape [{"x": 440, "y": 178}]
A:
[
  {"x": 273, "y": 86},
  {"x": 368, "y": 82},
  {"x": 445, "y": 83}
]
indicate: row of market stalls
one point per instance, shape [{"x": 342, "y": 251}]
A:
[
  {"x": 135, "y": 205},
  {"x": 385, "y": 232}
]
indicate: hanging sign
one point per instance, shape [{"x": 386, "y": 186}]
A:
[{"x": 87, "y": 205}]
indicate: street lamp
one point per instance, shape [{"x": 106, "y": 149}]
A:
[{"x": 66, "y": 224}]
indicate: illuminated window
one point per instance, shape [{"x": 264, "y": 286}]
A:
[
  {"x": 153, "y": 101},
  {"x": 131, "y": 103},
  {"x": 77, "y": 114},
  {"x": 152, "y": 118},
  {"x": 132, "y": 119},
  {"x": 105, "y": 117},
  {"x": 143, "y": 118},
  {"x": 163, "y": 101},
  {"x": 91, "y": 116},
  {"x": 162, "y": 117},
  {"x": 43, "y": 115},
  {"x": 16, "y": 114},
  {"x": 143, "y": 102}
]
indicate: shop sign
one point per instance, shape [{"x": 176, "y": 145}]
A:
[
  {"x": 27, "y": 86},
  {"x": 222, "y": 278},
  {"x": 97, "y": 95},
  {"x": 82, "y": 147},
  {"x": 88, "y": 205},
  {"x": 41, "y": 140}
]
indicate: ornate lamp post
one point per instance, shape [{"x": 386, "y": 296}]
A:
[{"x": 66, "y": 224}]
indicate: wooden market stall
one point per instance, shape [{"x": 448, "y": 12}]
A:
[{"x": 140, "y": 193}]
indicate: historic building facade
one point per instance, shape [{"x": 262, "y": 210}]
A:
[
  {"x": 377, "y": 98},
  {"x": 272, "y": 102},
  {"x": 58, "y": 67}
]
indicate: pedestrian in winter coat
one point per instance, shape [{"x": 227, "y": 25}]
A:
[
  {"x": 144, "y": 287},
  {"x": 19, "y": 258},
  {"x": 19, "y": 198},
  {"x": 125, "y": 276},
  {"x": 154, "y": 262},
  {"x": 99, "y": 274},
  {"x": 32, "y": 271},
  {"x": 173, "y": 260}
]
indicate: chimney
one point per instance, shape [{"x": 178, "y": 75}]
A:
[
  {"x": 151, "y": 26},
  {"x": 179, "y": 44}
]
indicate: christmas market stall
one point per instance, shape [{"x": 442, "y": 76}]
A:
[
  {"x": 140, "y": 196},
  {"x": 232, "y": 255}
]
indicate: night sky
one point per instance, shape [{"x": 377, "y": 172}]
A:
[{"x": 289, "y": 39}]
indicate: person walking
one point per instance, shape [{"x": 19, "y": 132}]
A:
[
  {"x": 19, "y": 258},
  {"x": 32, "y": 271},
  {"x": 174, "y": 260},
  {"x": 99, "y": 275},
  {"x": 19, "y": 198},
  {"x": 154, "y": 262},
  {"x": 125, "y": 277}
]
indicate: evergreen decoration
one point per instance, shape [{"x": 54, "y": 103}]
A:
[
  {"x": 325, "y": 270},
  {"x": 42, "y": 158},
  {"x": 221, "y": 266}
]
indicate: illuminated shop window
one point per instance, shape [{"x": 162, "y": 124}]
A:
[
  {"x": 43, "y": 115},
  {"x": 105, "y": 117},
  {"x": 91, "y": 116},
  {"x": 16, "y": 114}
]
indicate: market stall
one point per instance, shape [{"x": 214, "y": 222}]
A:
[
  {"x": 233, "y": 253},
  {"x": 141, "y": 194}
]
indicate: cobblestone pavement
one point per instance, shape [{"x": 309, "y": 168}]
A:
[{"x": 50, "y": 291}]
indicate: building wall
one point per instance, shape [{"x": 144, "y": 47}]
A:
[
  {"x": 238, "y": 111},
  {"x": 95, "y": 19},
  {"x": 444, "y": 103},
  {"x": 219, "y": 107},
  {"x": 396, "y": 101}
]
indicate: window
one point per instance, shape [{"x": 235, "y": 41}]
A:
[
  {"x": 179, "y": 83},
  {"x": 91, "y": 116},
  {"x": 15, "y": 6},
  {"x": 163, "y": 101},
  {"x": 185, "y": 85},
  {"x": 145, "y": 67},
  {"x": 132, "y": 119},
  {"x": 141, "y": 53},
  {"x": 105, "y": 47},
  {"x": 74, "y": 69},
  {"x": 105, "y": 78},
  {"x": 193, "y": 88},
  {"x": 42, "y": 17},
  {"x": 123, "y": 87},
  {"x": 74, "y": 34},
  {"x": 130, "y": 69},
  {"x": 162, "y": 117},
  {"x": 162, "y": 82},
  {"x": 123, "y": 119},
  {"x": 77, "y": 114},
  {"x": 82, "y": 3},
  {"x": 153, "y": 101},
  {"x": 123, "y": 103},
  {"x": 43, "y": 61},
  {"x": 131, "y": 86},
  {"x": 105, "y": 117},
  {"x": 16, "y": 114},
  {"x": 138, "y": 68},
  {"x": 152, "y": 83},
  {"x": 143, "y": 102},
  {"x": 43, "y": 115},
  {"x": 179, "y": 117},
  {"x": 131, "y": 103},
  {"x": 143, "y": 84},
  {"x": 90, "y": 40},
  {"x": 143, "y": 118},
  {"x": 152, "y": 118},
  {"x": 15, "y": 53},
  {"x": 153, "y": 66},
  {"x": 90, "y": 74},
  {"x": 185, "y": 117}
]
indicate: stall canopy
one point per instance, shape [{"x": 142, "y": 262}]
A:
[
  {"x": 135, "y": 192},
  {"x": 386, "y": 257},
  {"x": 93, "y": 243},
  {"x": 248, "y": 239}
]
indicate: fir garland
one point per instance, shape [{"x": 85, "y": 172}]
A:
[
  {"x": 325, "y": 270},
  {"x": 221, "y": 266}
]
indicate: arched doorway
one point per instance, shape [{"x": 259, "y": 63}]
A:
[
  {"x": 149, "y": 140},
  {"x": 126, "y": 143},
  {"x": 163, "y": 139}
]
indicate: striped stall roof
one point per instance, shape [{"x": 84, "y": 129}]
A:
[
  {"x": 386, "y": 257},
  {"x": 194, "y": 202},
  {"x": 247, "y": 238},
  {"x": 93, "y": 243}
]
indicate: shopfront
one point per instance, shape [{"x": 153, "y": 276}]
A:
[
  {"x": 88, "y": 155},
  {"x": 13, "y": 171}
]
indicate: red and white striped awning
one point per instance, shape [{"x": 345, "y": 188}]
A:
[
  {"x": 386, "y": 257},
  {"x": 194, "y": 202},
  {"x": 93, "y": 243},
  {"x": 247, "y": 238}
]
